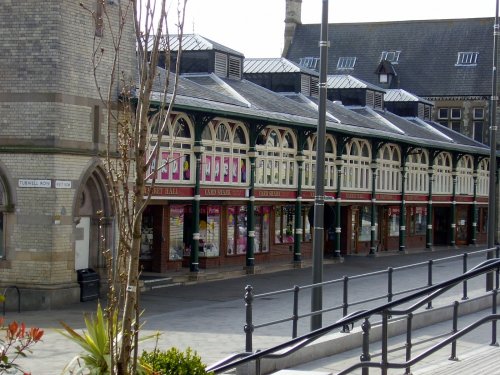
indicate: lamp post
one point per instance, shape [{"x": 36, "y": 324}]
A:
[
  {"x": 319, "y": 198},
  {"x": 493, "y": 150}
]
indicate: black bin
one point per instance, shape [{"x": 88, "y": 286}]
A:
[{"x": 89, "y": 284}]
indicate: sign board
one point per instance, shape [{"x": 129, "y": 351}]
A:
[{"x": 46, "y": 184}]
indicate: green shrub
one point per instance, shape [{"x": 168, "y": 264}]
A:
[{"x": 173, "y": 362}]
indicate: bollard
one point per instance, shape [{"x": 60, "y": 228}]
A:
[
  {"x": 365, "y": 355},
  {"x": 465, "y": 281},
  {"x": 453, "y": 356},
  {"x": 249, "y": 320},
  {"x": 295, "y": 317}
]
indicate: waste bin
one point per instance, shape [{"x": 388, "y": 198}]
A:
[{"x": 89, "y": 284}]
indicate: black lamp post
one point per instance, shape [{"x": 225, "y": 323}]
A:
[
  {"x": 319, "y": 198},
  {"x": 493, "y": 151}
]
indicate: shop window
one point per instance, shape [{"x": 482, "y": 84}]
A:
[
  {"x": 147, "y": 237},
  {"x": 284, "y": 224},
  {"x": 394, "y": 221},
  {"x": 262, "y": 232},
  {"x": 209, "y": 231},
  {"x": 482, "y": 225},
  {"x": 179, "y": 236},
  {"x": 417, "y": 223},
  {"x": 237, "y": 230},
  {"x": 365, "y": 223}
]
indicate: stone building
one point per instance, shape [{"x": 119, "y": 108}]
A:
[
  {"x": 448, "y": 62},
  {"x": 52, "y": 132}
]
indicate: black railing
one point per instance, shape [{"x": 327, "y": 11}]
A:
[
  {"x": 388, "y": 312},
  {"x": 344, "y": 283}
]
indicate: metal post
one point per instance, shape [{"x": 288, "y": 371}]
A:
[
  {"x": 465, "y": 281},
  {"x": 429, "y": 280},
  {"x": 390, "y": 271},
  {"x": 249, "y": 319},
  {"x": 453, "y": 356},
  {"x": 385, "y": 338},
  {"x": 494, "y": 322},
  {"x": 319, "y": 199},
  {"x": 296, "y": 290},
  {"x": 493, "y": 150},
  {"x": 409, "y": 322},
  {"x": 365, "y": 355},
  {"x": 345, "y": 303}
]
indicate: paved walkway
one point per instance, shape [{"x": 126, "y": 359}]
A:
[{"x": 209, "y": 316}]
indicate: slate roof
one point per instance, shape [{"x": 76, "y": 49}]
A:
[
  {"x": 400, "y": 95},
  {"x": 274, "y": 65},
  {"x": 195, "y": 42},
  {"x": 429, "y": 51},
  {"x": 346, "y": 81}
]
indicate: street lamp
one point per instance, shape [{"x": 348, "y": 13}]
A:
[
  {"x": 493, "y": 151},
  {"x": 319, "y": 198}
]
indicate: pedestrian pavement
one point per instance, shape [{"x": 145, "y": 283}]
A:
[{"x": 207, "y": 313}]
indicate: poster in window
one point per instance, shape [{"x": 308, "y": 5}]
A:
[
  {"x": 243, "y": 170},
  {"x": 152, "y": 166},
  {"x": 218, "y": 171},
  {"x": 231, "y": 224},
  {"x": 176, "y": 173},
  {"x": 226, "y": 169},
  {"x": 165, "y": 160},
  {"x": 207, "y": 168},
  {"x": 235, "y": 170},
  {"x": 186, "y": 167}
]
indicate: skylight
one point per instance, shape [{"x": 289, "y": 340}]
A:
[
  {"x": 309, "y": 62},
  {"x": 391, "y": 56},
  {"x": 467, "y": 59},
  {"x": 346, "y": 62}
]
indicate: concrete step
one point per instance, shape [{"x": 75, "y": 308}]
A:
[{"x": 149, "y": 284}]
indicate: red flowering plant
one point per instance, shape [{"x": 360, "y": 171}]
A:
[{"x": 17, "y": 342}]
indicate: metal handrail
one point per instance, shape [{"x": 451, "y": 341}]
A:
[
  {"x": 295, "y": 344},
  {"x": 345, "y": 304}
]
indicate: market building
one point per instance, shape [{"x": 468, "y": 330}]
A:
[{"x": 238, "y": 184}]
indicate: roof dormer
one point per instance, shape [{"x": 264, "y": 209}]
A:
[{"x": 386, "y": 73}]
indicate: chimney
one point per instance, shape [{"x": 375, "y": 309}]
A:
[{"x": 292, "y": 19}]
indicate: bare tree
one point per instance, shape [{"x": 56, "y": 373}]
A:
[{"x": 133, "y": 139}]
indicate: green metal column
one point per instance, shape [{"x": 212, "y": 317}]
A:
[
  {"x": 194, "y": 256},
  {"x": 373, "y": 223},
  {"x": 250, "y": 255},
  {"x": 297, "y": 254},
  {"x": 474, "y": 207},
  {"x": 338, "y": 230},
  {"x": 402, "y": 213},
  {"x": 453, "y": 231},
  {"x": 428, "y": 233}
]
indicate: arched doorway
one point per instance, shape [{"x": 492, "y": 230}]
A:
[{"x": 93, "y": 220}]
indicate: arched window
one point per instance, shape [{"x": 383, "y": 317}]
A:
[
  {"x": 417, "y": 178},
  {"x": 442, "y": 174},
  {"x": 465, "y": 181},
  {"x": 308, "y": 177},
  {"x": 483, "y": 177},
  {"x": 225, "y": 157},
  {"x": 176, "y": 159},
  {"x": 357, "y": 175},
  {"x": 276, "y": 165},
  {"x": 389, "y": 178}
]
